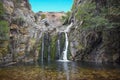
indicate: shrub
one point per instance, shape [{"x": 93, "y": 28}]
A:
[
  {"x": 1, "y": 10},
  {"x": 4, "y": 30},
  {"x": 66, "y": 17},
  {"x": 88, "y": 14},
  {"x": 43, "y": 16}
]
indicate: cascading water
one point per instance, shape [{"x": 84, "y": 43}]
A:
[
  {"x": 64, "y": 58},
  {"x": 66, "y": 47},
  {"x": 58, "y": 46},
  {"x": 46, "y": 46},
  {"x": 42, "y": 49}
]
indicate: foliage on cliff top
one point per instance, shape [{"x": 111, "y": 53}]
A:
[
  {"x": 88, "y": 14},
  {"x": 66, "y": 17},
  {"x": 98, "y": 14}
]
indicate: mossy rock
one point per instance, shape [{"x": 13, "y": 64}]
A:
[
  {"x": 3, "y": 43},
  {"x": 53, "y": 47},
  {"x": 3, "y": 51}
]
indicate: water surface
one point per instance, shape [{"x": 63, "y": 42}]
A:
[{"x": 61, "y": 71}]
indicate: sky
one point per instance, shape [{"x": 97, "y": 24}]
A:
[{"x": 51, "y": 5}]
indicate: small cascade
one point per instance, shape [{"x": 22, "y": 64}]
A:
[
  {"x": 66, "y": 47},
  {"x": 45, "y": 48},
  {"x": 49, "y": 54},
  {"x": 58, "y": 46},
  {"x": 48, "y": 46},
  {"x": 64, "y": 58},
  {"x": 68, "y": 28},
  {"x": 42, "y": 51}
]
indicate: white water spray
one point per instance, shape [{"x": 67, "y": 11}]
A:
[
  {"x": 66, "y": 47},
  {"x": 66, "y": 43}
]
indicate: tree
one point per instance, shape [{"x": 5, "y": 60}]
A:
[{"x": 92, "y": 15}]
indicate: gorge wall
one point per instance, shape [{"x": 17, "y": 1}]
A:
[
  {"x": 25, "y": 31},
  {"x": 91, "y": 39}
]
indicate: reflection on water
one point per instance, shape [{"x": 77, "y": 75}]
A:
[
  {"x": 65, "y": 67},
  {"x": 68, "y": 68},
  {"x": 61, "y": 71}
]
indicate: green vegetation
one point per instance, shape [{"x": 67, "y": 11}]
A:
[
  {"x": 43, "y": 16},
  {"x": 114, "y": 7},
  {"x": 1, "y": 10},
  {"x": 4, "y": 33},
  {"x": 62, "y": 42},
  {"x": 88, "y": 14},
  {"x": 66, "y": 17},
  {"x": 53, "y": 47},
  {"x": 4, "y": 30},
  {"x": 98, "y": 15}
]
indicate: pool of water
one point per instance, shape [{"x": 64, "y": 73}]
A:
[{"x": 59, "y": 70}]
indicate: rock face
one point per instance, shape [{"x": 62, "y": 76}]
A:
[
  {"x": 50, "y": 21},
  {"x": 27, "y": 29},
  {"x": 93, "y": 45},
  {"x": 24, "y": 30}
]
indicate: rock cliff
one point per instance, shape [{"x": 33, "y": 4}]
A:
[
  {"x": 23, "y": 29},
  {"x": 26, "y": 30},
  {"x": 93, "y": 44}
]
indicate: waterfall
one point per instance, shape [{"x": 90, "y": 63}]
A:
[
  {"x": 42, "y": 49},
  {"x": 46, "y": 46},
  {"x": 66, "y": 47},
  {"x": 48, "y": 36},
  {"x": 64, "y": 58},
  {"x": 58, "y": 46},
  {"x": 68, "y": 28}
]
